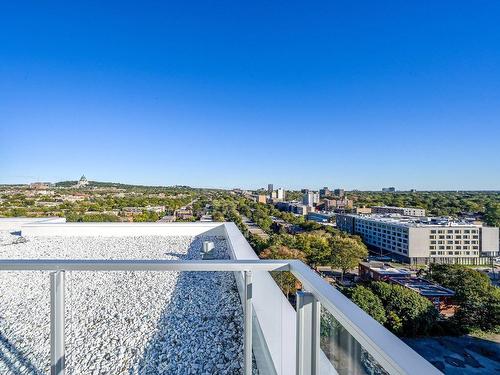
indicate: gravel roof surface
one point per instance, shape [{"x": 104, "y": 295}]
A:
[{"x": 121, "y": 322}]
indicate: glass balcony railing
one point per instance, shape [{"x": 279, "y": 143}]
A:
[{"x": 332, "y": 335}]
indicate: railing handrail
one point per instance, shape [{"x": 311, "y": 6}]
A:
[{"x": 141, "y": 265}]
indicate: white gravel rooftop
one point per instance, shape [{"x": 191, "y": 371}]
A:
[{"x": 121, "y": 322}]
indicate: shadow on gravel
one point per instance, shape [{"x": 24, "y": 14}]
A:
[
  {"x": 200, "y": 330},
  {"x": 21, "y": 364}
]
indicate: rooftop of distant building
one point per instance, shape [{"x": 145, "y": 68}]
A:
[{"x": 412, "y": 221}]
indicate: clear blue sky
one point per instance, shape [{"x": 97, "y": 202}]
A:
[{"x": 347, "y": 94}]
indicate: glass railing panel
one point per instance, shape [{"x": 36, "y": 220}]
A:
[
  {"x": 24, "y": 322},
  {"x": 344, "y": 354}
]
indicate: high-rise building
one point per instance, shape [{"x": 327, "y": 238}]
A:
[
  {"x": 280, "y": 193},
  {"x": 339, "y": 192},
  {"x": 325, "y": 192},
  {"x": 310, "y": 199},
  {"x": 270, "y": 189},
  {"x": 389, "y": 189},
  {"x": 423, "y": 240}
]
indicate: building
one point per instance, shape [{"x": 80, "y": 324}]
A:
[
  {"x": 261, "y": 198},
  {"x": 132, "y": 210},
  {"x": 339, "y": 192},
  {"x": 270, "y": 189},
  {"x": 404, "y": 211},
  {"x": 310, "y": 199},
  {"x": 338, "y": 204},
  {"x": 325, "y": 192},
  {"x": 82, "y": 182},
  {"x": 437, "y": 294},
  {"x": 320, "y": 217},
  {"x": 363, "y": 210},
  {"x": 380, "y": 271},
  {"x": 280, "y": 194},
  {"x": 424, "y": 240},
  {"x": 157, "y": 209},
  {"x": 389, "y": 189},
  {"x": 184, "y": 213},
  {"x": 294, "y": 207}
]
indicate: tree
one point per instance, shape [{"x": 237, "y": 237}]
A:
[
  {"x": 478, "y": 301},
  {"x": 218, "y": 216},
  {"x": 465, "y": 282},
  {"x": 345, "y": 253},
  {"x": 285, "y": 279},
  {"x": 315, "y": 246},
  {"x": 407, "y": 311},
  {"x": 370, "y": 302},
  {"x": 492, "y": 214}
]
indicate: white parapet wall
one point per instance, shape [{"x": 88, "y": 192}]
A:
[
  {"x": 14, "y": 224},
  {"x": 122, "y": 229}
]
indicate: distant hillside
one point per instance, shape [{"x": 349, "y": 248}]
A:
[
  {"x": 66, "y": 183},
  {"x": 121, "y": 186}
]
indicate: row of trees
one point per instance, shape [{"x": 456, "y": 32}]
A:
[{"x": 314, "y": 248}]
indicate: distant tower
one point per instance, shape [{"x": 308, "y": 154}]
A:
[
  {"x": 83, "y": 182},
  {"x": 270, "y": 189}
]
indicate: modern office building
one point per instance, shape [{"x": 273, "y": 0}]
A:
[
  {"x": 404, "y": 211},
  {"x": 178, "y": 319},
  {"x": 389, "y": 189},
  {"x": 424, "y": 240}
]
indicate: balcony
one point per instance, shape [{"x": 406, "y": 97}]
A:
[{"x": 140, "y": 299}]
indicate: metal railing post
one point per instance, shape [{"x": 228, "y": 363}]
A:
[
  {"x": 308, "y": 333},
  {"x": 247, "y": 345},
  {"x": 57, "y": 361}
]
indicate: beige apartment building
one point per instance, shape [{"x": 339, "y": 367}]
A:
[
  {"x": 424, "y": 240},
  {"x": 404, "y": 211}
]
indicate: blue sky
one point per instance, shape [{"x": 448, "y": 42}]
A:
[{"x": 224, "y": 94}]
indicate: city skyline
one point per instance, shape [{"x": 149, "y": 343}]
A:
[{"x": 242, "y": 95}]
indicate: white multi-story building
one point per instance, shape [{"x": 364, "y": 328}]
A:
[
  {"x": 424, "y": 240},
  {"x": 280, "y": 193}
]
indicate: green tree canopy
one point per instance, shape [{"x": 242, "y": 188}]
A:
[
  {"x": 370, "y": 302},
  {"x": 345, "y": 252},
  {"x": 415, "y": 314},
  {"x": 285, "y": 279}
]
